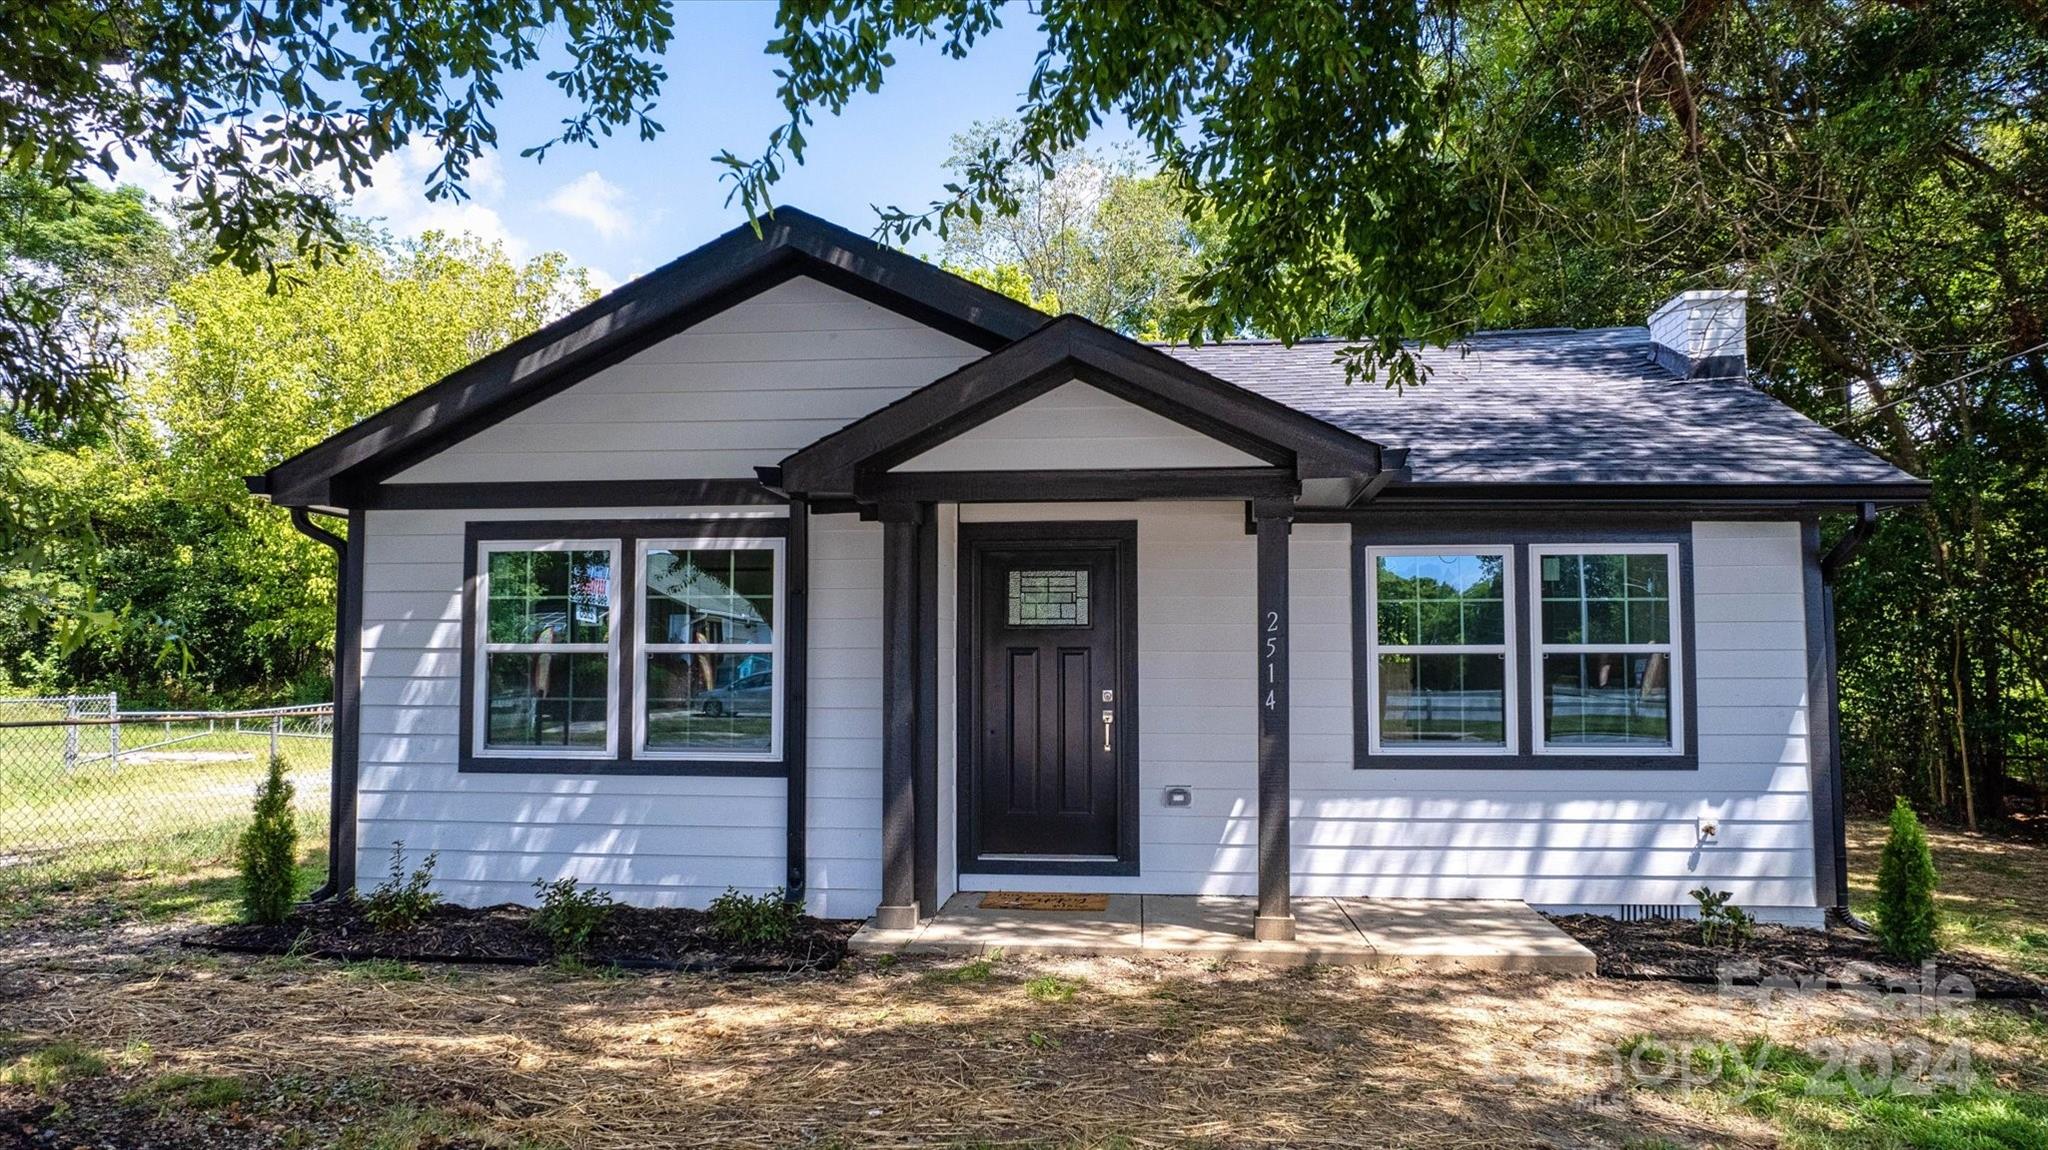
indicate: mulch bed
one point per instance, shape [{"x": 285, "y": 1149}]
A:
[
  {"x": 632, "y": 937},
  {"x": 1670, "y": 950}
]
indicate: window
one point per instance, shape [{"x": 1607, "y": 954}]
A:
[
  {"x": 707, "y": 650},
  {"x": 1606, "y": 659},
  {"x": 633, "y": 646},
  {"x": 1048, "y": 598},
  {"x": 548, "y": 649},
  {"x": 1438, "y": 662}
]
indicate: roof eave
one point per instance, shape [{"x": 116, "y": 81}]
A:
[{"x": 731, "y": 268}]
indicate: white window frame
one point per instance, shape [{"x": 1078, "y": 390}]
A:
[
  {"x": 1675, "y": 649},
  {"x": 481, "y": 632},
  {"x": 642, "y": 648},
  {"x": 1505, "y": 649}
]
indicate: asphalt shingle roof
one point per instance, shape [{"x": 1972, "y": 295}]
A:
[{"x": 1554, "y": 407}]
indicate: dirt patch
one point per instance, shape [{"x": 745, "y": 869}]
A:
[
  {"x": 632, "y": 937},
  {"x": 1671, "y": 949}
]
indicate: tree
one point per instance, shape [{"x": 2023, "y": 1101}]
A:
[
  {"x": 1097, "y": 237},
  {"x": 1906, "y": 918},
  {"x": 267, "y": 853},
  {"x": 236, "y": 379},
  {"x": 1305, "y": 138},
  {"x": 258, "y": 112},
  {"x": 74, "y": 259}
]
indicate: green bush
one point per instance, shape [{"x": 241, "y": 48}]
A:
[
  {"x": 754, "y": 919},
  {"x": 568, "y": 916},
  {"x": 268, "y": 852},
  {"x": 403, "y": 900},
  {"x": 1906, "y": 919}
]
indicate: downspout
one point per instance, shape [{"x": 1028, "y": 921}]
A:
[
  {"x": 341, "y": 780},
  {"x": 1831, "y": 565}
]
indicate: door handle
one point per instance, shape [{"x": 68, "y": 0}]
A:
[{"x": 1108, "y": 717}]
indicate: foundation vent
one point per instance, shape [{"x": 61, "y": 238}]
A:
[{"x": 1645, "y": 911}]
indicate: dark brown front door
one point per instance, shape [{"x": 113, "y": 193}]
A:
[{"x": 1044, "y": 779}]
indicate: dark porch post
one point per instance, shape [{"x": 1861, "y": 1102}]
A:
[
  {"x": 1275, "y": 922},
  {"x": 899, "y": 909}
]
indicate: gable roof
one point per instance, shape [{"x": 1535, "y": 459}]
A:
[
  {"x": 1067, "y": 349},
  {"x": 1586, "y": 410},
  {"x": 733, "y": 267}
]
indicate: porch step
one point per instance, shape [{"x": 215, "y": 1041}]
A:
[{"x": 1422, "y": 934}]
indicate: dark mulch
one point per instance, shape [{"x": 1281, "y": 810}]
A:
[
  {"x": 634, "y": 937},
  {"x": 1670, "y": 950}
]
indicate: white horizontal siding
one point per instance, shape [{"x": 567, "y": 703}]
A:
[
  {"x": 655, "y": 840},
  {"x": 1073, "y": 426},
  {"x": 1562, "y": 837},
  {"x": 740, "y": 390}
]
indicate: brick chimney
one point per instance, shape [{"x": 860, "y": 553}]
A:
[{"x": 1702, "y": 335}]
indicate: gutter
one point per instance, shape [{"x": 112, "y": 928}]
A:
[
  {"x": 1831, "y": 566},
  {"x": 337, "y": 883}
]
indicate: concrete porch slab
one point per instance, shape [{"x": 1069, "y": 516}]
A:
[
  {"x": 1444, "y": 934},
  {"x": 1206, "y": 926},
  {"x": 1467, "y": 934}
]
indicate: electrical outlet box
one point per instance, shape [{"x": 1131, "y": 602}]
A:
[{"x": 1180, "y": 796}]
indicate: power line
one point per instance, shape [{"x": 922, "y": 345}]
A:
[{"x": 1860, "y": 416}]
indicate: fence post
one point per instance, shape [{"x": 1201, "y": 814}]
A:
[
  {"x": 114, "y": 731},
  {"x": 70, "y": 734},
  {"x": 276, "y": 731}
]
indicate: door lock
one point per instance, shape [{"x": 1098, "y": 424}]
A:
[{"x": 1108, "y": 717}]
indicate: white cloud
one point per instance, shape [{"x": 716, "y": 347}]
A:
[
  {"x": 596, "y": 201},
  {"x": 397, "y": 195}
]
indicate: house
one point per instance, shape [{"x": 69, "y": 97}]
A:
[{"x": 800, "y": 562}]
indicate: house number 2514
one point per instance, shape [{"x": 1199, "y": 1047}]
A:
[{"x": 1271, "y": 661}]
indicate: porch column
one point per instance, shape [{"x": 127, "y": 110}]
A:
[
  {"x": 899, "y": 908},
  {"x": 1275, "y": 921}
]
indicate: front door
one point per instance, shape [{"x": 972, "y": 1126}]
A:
[{"x": 1047, "y": 778}]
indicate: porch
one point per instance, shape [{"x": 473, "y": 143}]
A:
[{"x": 1425, "y": 934}]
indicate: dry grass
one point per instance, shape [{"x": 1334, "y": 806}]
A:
[
  {"x": 1140, "y": 1053},
  {"x": 1993, "y": 894}
]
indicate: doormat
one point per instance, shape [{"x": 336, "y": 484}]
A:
[{"x": 1039, "y": 900}]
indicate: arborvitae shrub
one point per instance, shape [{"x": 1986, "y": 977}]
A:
[
  {"x": 1906, "y": 919},
  {"x": 268, "y": 852}
]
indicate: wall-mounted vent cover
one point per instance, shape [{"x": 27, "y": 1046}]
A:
[{"x": 1644, "y": 911}]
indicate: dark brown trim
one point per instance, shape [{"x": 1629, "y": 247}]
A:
[
  {"x": 899, "y": 908},
  {"x": 1823, "y": 737},
  {"x": 1066, "y": 349},
  {"x": 973, "y": 540},
  {"x": 629, "y": 533},
  {"x": 575, "y": 493},
  {"x": 1080, "y": 485},
  {"x": 796, "y": 698},
  {"x": 1788, "y": 500},
  {"x": 927, "y": 789},
  {"x": 1274, "y": 703},
  {"x": 735, "y": 266},
  {"x": 344, "y": 758},
  {"x": 1478, "y": 529}
]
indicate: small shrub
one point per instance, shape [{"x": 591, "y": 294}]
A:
[
  {"x": 1906, "y": 918},
  {"x": 403, "y": 900},
  {"x": 268, "y": 852},
  {"x": 754, "y": 919},
  {"x": 1722, "y": 923},
  {"x": 568, "y": 916}
]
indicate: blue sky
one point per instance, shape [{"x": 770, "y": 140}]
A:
[{"x": 629, "y": 206}]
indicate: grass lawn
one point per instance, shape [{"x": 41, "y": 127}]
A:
[
  {"x": 109, "y": 1046},
  {"x": 150, "y": 837},
  {"x": 1993, "y": 894}
]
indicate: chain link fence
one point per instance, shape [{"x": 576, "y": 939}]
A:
[{"x": 91, "y": 792}]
